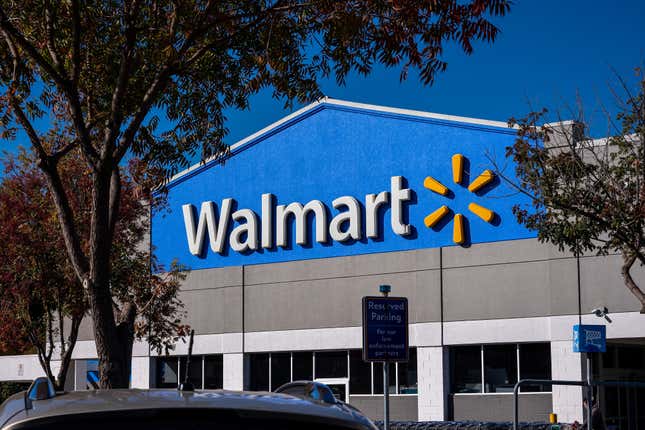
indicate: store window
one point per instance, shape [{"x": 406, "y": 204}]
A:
[
  {"x": 407, "y": 374},
  {"x": 500, "y": 368},
  {"x": 167, "y": 372},
  {"x": 259, "y": 372},
  {"x": 206, "y": 371},
  {"x": 503, "y": 364},
  {"x": 535, "y": 363},
  {"x": 360, "y": 373},
  {"x": 280, "y": 369},
  {"x": 303, "y": 366},
  {"x": 630, "y": 357},
  {"x": 466, "y": 369},
  {"x": 268, "y": 371},
  {"x": 213, "y": 372},
  {"x": 378, "y": 378},
  {"x": 331, "y": 364},
  {"x": 609, "y": 358},
  {"x": 194, "y": 372}
]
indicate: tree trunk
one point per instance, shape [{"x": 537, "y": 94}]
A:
[
  {"x": 629, "y": 281},
  {"x": 66, "y": 358},
  {"x": 112, "y": 363},
  {"x": 125, "y": 330},
  {"x": 114, "y": 368}
]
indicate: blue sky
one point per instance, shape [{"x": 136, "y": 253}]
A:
[{"x": 548, "y": 52}]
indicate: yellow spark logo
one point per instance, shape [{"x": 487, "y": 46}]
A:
[{"x": 487, "y": 176}]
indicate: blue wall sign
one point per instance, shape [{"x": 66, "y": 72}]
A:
[
  {"x": 589, "y": 338},
  {"x": 337, "y": 180},
  {"x": 385, "y": 329}
]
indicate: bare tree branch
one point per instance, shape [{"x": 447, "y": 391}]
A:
[
  {"x": 116, "y": 111},
  {"x": 30, "y": 49},
  {"x": 61, "y": 153},
  {"x": 76, "y": 41},
  {"x": 158, "y": 84},
  {"x": 61, "y": 327},
  {"x": 629, "y": 281},
  {"x": 60, "y": 80},
  {"x": 78, "y": 260},
  {"x": 51, "y": 44},
  {"x": 560, "y": 205},
  {"x": 115, "y": 194},
  {"x": 66, "y": 357}
]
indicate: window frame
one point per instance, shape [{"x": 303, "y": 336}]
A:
[
  {"x": 178, "y": 358},
  {"x": 204, "y": 356},
  {"x": 483, "y": 370},
  {"x": 348, "y": 355}
]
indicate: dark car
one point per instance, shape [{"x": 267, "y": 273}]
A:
[{"x": 41, "y": 408}]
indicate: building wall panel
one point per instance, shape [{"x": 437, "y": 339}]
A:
[
  {"x": 336, "y": 302},
  {"x": 402, "y": 408},
  {"x": 342, "y": 267},
  {"x": 499, "y": 407},
  {"x": 215, "y": 310},
  {"x": 510, "y": 290},
  {"x": 213, "y": 278},
  {"x": 603, "y": 285}
]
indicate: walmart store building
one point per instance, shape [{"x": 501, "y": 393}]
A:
[{"x": 315, "y": 211}]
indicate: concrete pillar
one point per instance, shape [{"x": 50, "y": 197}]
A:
[
  {"x": 566, "y": 365},
  {"x": 434, "y": 382},
  {"x": 140, "y": 376},
  {"x": 80, "y": 375},
  {"x": 70, "y": 378},
  {"x": 233, "y": 371}
]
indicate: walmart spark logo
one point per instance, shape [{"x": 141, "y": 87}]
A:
[{"x": 458, "y": 233}]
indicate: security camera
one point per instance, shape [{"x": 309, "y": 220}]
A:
[{"x": 601, "y": 313}]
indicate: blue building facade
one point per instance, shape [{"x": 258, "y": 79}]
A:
[{"x": 373, "y": 164}]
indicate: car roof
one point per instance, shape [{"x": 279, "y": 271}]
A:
[{"x": 94, "y": 401}]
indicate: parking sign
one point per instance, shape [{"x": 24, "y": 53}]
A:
[{"x": 385, "y": 329}]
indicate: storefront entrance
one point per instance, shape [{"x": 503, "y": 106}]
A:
[{"x": 622, "y": 407}]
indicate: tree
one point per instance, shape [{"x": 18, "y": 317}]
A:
[
  {"x": 42, "y": 302},
  {"x": 587, "y": 195},
  {"x": 150, "y": 78}
]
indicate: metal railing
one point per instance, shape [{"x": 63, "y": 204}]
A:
[{"x": 587, "y": 385}]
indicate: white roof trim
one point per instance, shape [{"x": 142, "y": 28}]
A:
[
  {"x": 417, "y": 113},
  {"x": 364, "y": 106},
  {"x": 251, "y": 137}
]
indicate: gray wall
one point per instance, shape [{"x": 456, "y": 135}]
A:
[
  {"x": 402, "y": 408},
  {"x": 511, "y": 279},
  {"x": 521, "y": 278},
  {"x": 327, "y": 292},
  {"x": 85, "y": 330},
  {"x": 213, "y": 300},
  {"x": 499, "y": 407},
  {"x": 603, "y": 285}
]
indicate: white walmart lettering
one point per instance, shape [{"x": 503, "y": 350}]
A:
[{"x": 275, "y": 221}]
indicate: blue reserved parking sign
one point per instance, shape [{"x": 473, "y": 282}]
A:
[
  {"x": 385, "y": 329},
  {"x": 589, "y": 338}
]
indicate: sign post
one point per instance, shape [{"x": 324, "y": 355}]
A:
[
  {"x": 589, "y": 338},
  {"x": 385, "y": 336}
]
